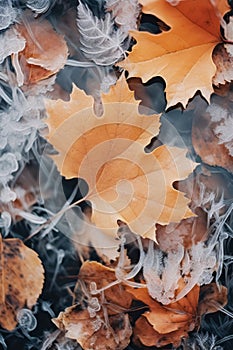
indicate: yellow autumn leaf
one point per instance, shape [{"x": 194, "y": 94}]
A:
[
  {"x": 183, "y": 54},
  {"x": 124, "y": 182}
]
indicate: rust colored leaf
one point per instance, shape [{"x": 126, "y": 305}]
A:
[
  {"x": 166, "y": 324},
  {"x": 183, "y": 54},
  {"x": 144, "y": 334},
  {"x": 125, "y": 183},
  {"x": 163, "y": 325},
  {"x": 101, "y": 323},
  {"x": 168, "y": 318},
  {"x": 21, "y": 276},
  {"x": 45, "y": 52},
  {"x": 103, "y": 276}
]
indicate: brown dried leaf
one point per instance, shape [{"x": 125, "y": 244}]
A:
[
  {"x": 21, "y": 276},
  {"x": 205, "y": 142},
  {"x": 45, "y": 52},
  {"x": 91, "y": 271},
  {"x": 106, "y": 328},
  {"x": 168, "y": 318},
  {"x": 187, "y": 232},
  {"x": 95, "y": 333},
  {"x": 26, "y": 189},
  {"x": 144, "y": 334},
  {"x": 211, "y": 298},
  {"x": 199, "y": 187}
]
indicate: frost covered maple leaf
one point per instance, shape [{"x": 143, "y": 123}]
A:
[
  {"x": 124, "y": 182},
  {"x": 183, "y": 54}
]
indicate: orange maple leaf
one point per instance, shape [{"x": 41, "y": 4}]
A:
[
  {"x": 183, "y": 54},
  {"x": 125, "y": 182},
  {"x": 166, "y": 323}
]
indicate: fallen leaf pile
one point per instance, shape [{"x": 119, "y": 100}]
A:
[{"x": 116, "y": 187}]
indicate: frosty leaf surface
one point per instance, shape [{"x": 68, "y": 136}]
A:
[
  {"x": 100, "y": 41},
  {"x": 124, "y": 182},
  {"x": 22, "y": 278}
]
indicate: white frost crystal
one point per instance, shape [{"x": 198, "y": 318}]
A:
[{"x": 224, "y": 129}]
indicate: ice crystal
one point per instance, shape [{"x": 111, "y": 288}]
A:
[
  {"x": 8, "y": 165},
  {"x": 26, "y": 319},
  {"x": 224, "y": 129},
  {"x": 10, "y": 42},
  {"x": 201, "y": 341},
  {"x": 163, "y": 272},
  {"x": 100, "y": 41},
  {"x": 7, "y": 14},
  {"x": 5, "y": 223},
  {"x": 39, "y": 6},
  {"x": 124, "y": 12},
  {"x": 20, "y": 122}
]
